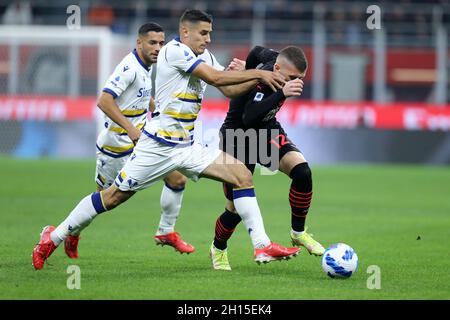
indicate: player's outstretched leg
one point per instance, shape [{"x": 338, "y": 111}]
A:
[
  {"x": 300, "y": 196},
  {"x": 171, "y": 198},
  {"x": 232, "y": 171},
  {"x": 86, "y": 210}
]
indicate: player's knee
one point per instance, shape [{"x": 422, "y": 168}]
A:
[
  {"x": 244, "y": 179},
  {"x": 177, "y": 182},
  {"x": 301, "y": 176}
]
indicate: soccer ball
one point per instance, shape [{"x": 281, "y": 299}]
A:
[{"x": 339, "y": 261}]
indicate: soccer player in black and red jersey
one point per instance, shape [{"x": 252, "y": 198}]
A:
[{"x": 252, "y": 134}]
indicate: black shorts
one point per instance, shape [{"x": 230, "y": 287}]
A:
[{"x": 256, "y": 146}]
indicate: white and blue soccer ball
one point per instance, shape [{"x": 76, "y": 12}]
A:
[{"x": 339, "y": 261}]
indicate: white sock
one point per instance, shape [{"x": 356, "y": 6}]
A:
[
  {"x": 247, "y": 207},
  {"x": 170, "y": 209},
  {"x": 86, "y": 210},
  {"x": 77, "y": 230}
]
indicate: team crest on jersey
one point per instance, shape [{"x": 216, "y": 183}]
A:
[
  {"x": 117, "y": 78},
  {"x": 259, "y": 96},
  {"x": 125, "y": 68}
]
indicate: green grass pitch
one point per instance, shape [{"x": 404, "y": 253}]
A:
[{"x": 379, "y": 210}]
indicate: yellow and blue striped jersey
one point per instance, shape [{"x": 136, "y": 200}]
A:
[
  {"x": 179, "y": 94},
  {"x": 130, "y": 84}
]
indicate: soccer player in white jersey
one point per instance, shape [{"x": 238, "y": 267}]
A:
[
  {"x": 125, "y": 99},
  {"x": 184, "y": 68}
]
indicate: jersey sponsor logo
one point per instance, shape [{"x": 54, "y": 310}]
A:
[
  {"x": 132, "y": 182},
  {"x": 271, "y": 114},
  {"x": 188, "y": 56},
  {"x": 259, "y": 96},
  {"x": 144, "y": 93},
  {"x": 282, "y": 139}
]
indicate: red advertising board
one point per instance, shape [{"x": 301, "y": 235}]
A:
[{"x": 397, "y": 116}]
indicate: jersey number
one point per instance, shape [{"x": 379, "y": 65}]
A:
[{"x": 282, "y": 139}]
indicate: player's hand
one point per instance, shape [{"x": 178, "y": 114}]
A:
[
  {"x": 236, "y": 65},
  {"x": 293, "y": 88},
  {"x": 274, "y": 80},
  {"x": 134, "y": 134}
]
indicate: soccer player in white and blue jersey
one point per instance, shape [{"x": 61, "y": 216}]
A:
[
  {"x": 125, "y": 99},
  {"x": 184, "y": 68}
]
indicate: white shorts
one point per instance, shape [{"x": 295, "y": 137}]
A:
[
  {"x": 107, "y": 168},
  {"x": 152, "y": 161}
]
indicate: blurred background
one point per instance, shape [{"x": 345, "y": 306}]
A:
[{"x": 377, "y": 88}]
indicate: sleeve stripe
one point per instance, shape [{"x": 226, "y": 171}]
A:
[
  {"x": 212, "y": 59},
  {"x": 196, "y": 63},
  {"x": 107, "y": 90}
]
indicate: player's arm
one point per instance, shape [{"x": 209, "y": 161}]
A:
[
  {"x": 261, "y": 103},
  {"x": 224, "y": 78},
  {"x": 256, "y": 56},
  {"x": 237, "y": 90},
  {"x": 151, "y": 105},
  {"x": 108, "y": 105}
]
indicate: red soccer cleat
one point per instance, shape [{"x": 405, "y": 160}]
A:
[
  {"x": 174, "y": 239},
  {"x": 274, "y": 252},
  {"x": 44, "y": 248},
  {"x": 71, "y": 246}
]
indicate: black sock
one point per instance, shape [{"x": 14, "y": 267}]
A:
[
  {"x": 300, "y": 195},
  {"x": 225, "y": 226}
]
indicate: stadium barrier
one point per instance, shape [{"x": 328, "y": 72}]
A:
[
  {"x": 395, "y": 116},
  {"x": 327, "y": 133}
]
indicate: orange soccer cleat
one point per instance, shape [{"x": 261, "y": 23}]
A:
[
  {"x": 44, "y": 248},
  {"x": 174, "y": 239},
  {"x": 274, "y": 252}
]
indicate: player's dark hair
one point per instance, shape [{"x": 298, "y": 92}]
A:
[
  {"x": 296, "y": 56},
  {"x": 193, "y": 15},
  {"x": 150, "y": 26}
]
